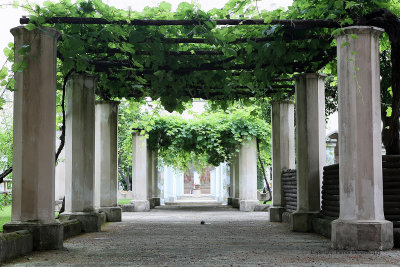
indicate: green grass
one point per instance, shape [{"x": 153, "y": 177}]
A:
[
  {"x": 124, "y": 201},
  {"x": 5, "y": 216},
  {"x": 268, "y": 202}
]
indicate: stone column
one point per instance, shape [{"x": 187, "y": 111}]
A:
[
  {"x": 155, "y": 180},
  {"x": 248, "y": 175},
  {"x": 231, "y": 184},
  {"x": 361, "y": 224},
  {"x": 106, "y": 160},
  {"x": 34, "y": 139},
  {"x": 79, "y": 153},
  {"x": 310, "y": 143},
  {"x": 140, "y": 173},
  {"x": 150, "y": 177},
  {"x": 236, "y": 191},
  {"x": 218, "y": 183},
  {"x": 282, "y": 152}
]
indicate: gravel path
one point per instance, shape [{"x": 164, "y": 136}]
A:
[{"x": 174, "y": 236}]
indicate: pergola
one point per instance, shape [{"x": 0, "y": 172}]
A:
[{"x": 361, "y": 225}]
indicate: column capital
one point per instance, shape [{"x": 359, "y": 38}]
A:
[
  {"x": 315, "y": 75},
  {"x": 48, "y": 31},
  {"x": 110, "y": 102},
  {"x": 281, "y": 102},
  {"x": 362, "y": 30}
]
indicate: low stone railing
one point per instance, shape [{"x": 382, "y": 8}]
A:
[{"x": 289, "y": 189}]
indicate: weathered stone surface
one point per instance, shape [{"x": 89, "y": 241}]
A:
[
  {"x": 113, "y": 214},
  {"x": 127, "y": 207},
  {"x": 359, "y": 235},
  {"x": 248, "y": 205},
  {"x": 282, "y": 119},
  {"x": 310, "y": 148},
  {"x": 302, "y": 221},
  {"x": 45, "y": 236},
  {"x": 90, "y": 221},
  {"x": 322, "y": 226},
  {"x": 15, "y": 244},
  {"x": 361, "y": 224},
  {"x": 261, "y": 207},
  {"x": 71, "y": 228},
  {"x": 140, "y": 205},
  {"x": 235, "y": 203},
  {"x": 275, "y": 214}
]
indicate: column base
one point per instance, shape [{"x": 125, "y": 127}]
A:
[
  {"x": 113, "y": 214},
  {"x": 141, "y": 205},
  {"x": 90, "y": 221},
  {"x": 45, "y": 235},
  {"x": 229, "y": 201},
  {"x": 156, "y": 201},
  {"x": 302, "y": 221},
  {"x": 248, "y": 205},
  {"x": 235, "y": 203},
  {"x": 275, "y": 213},
  {"x": 362, "y": 235}
]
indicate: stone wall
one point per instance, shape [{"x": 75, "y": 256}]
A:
[{"x": 289, "y": 188}]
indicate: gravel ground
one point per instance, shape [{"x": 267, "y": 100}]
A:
[{"x": 174, "y": 236}]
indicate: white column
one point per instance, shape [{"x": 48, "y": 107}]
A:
[
  {"x": 34, "y": 139},
  {"x": 361, "y": 224},
  {"x": 155, "y": 180},
  {"x": 311, "y": 152},
  {"x": 213, "y": 183},
  {"x": 248, "y": 175},
  {"x": 282, "y": 152},
  {"x": 140, "y": 173},
  {"x": 218, "y": 183},
  {"x": 236, "y": 183},
  {"x": 149, "y": 176},
  {"x": 179, "y": 183},
  {"x": 106, "y": 159},
  {"x": 79, "y": 152}
]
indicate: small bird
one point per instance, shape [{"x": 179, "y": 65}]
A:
[{"x": 202, "y": 222}]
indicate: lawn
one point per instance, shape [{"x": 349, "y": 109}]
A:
[
  {"x": 5, "y": 216},
  {"x": 268, "y": 202},
  {"x": 123, "y": 201}
]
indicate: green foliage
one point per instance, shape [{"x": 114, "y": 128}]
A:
[
  {"x": 208, "y": 138},
  {"x": 5, "y": 214},
  {"x": 6, "y": 138}
]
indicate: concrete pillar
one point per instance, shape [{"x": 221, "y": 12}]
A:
[
  {"x": 236, "y": 182},
  {"x": 155, "y": 180},
  {"x": 231, "y": 186},
  {"x": 213, "y": 182},
  {"x": 106, "y": 159},
  {"x": 361, "y": 224},
  {"x": 79, "y": 153},
  {"x": 282, "y": 152},
  {"x": 310, "y": 144},
  {"x": 170, "y": 188},
  {"x": 34, "y": 139},
  {"x": 140, "y": 168},
  {"x": 150, "y": 177},
  {"x": 180, "y": 183},
  {"x": 248, "y": 175},
  {"x": 218, "y": 183}
]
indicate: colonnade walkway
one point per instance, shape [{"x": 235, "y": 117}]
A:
[{"x": 174, "y": 236}]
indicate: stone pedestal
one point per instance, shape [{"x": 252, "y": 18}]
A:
[
  {"x": 310, "y": 142},
  {"x": 248, "y": 175},
  {"x": 79, "y": 150},
  {"x": 282, "y": 152},
  {"x": 90, "y": 221},
  {"x": 361, "y": 224},
  {"x": 106, "y": 160},
  {"x": 140, "y": 173},
  {"x": 34, "y": 139}
]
